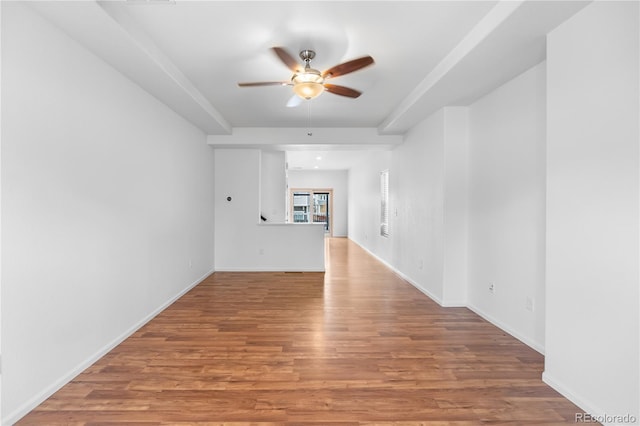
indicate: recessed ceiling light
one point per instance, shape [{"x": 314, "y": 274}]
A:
[
  {"x": 315, "y": 167},
  {"x": 318, "y": 158}
]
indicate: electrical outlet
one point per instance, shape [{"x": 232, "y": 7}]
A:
[
  {"x": 529, "y": 304},
  {"x": 421, "y": 264},
  {"x": 190, "y": 263},
  {"x": 261, "y": 251},
  {"x": 492, "y": 287}
]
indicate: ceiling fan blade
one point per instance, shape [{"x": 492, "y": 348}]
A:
[
  {"x": 347, "y": 67},
  {"x": 287, "y": 59},
  {"x": 342, "y": 91},
  {"x": 264, "y": 83},
  {"x": 294, "y": 101}
]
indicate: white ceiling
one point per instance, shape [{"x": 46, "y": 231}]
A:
[
  {"x": 428, "y": 54},
  {"x": 219, "y": 44},
  {"x": 323, "y": 159}
]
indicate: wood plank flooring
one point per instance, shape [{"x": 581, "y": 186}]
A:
[{"x": 355, "y": 346}]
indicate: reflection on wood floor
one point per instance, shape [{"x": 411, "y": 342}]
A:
[{"x": 357, "y": 345}]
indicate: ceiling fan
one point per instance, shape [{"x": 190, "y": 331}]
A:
[{"x": 309, "y": 83}]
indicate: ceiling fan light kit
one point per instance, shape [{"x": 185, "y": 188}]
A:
[{"x": 309, "y": 83}]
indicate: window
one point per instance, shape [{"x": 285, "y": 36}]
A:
[
  {"x": 384, "y": 203},
  {"x": 312, "y": 206}
]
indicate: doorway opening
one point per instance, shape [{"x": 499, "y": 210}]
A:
[{"x": 312, "y": 206}]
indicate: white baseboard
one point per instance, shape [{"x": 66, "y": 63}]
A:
[
  {"x": 580, "y": 401},
  {"x": 32, "y": 403},
  {"x": 532, "y": 344},
  {"x": 416, "y": 285},
  {"x": 454, "y": 303}
]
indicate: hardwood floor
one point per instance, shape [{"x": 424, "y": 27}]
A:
[{"x": 357, "y": 345}]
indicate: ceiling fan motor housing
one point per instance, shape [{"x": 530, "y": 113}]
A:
[{"x": 307, "y": 55}]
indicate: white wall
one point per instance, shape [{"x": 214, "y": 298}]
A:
[
  {"x": 416, "y": 181},
  {"x": 415, "y": 247},
  {"x": 242, "y": 244},
  {"x": 273, "y": 186},
  {"x": 456, "y": 206},
  {"x": 326, "y": 179},
  {"x": 507, "y": 205},
  {"x": 364, "y": 203},
  {"x": 237, "y": 175},
  {"x": 592, "y": 209},
  {"x": 107, "y": 200},
  {"x": 0, "y": 226}
]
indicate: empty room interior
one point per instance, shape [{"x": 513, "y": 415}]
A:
[{"x": 328, "y": 212}]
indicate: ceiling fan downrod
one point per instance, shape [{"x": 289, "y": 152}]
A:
[{"x": 307, "y": 55}]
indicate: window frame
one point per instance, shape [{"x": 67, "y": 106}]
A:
[{"x": 384, "y": 203}]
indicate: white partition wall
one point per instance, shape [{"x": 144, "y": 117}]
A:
[
  {"x": 242, "y": 242},
  {"x": 592, "y": 210},
  {"x": 507, "y": 206},
  {"x": 273, "y": 186}
]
